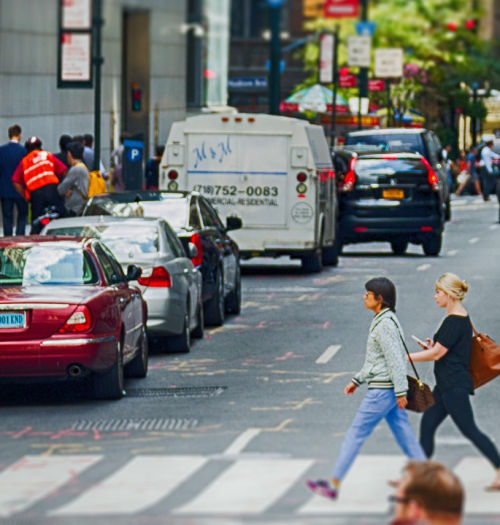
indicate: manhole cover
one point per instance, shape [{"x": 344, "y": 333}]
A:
[{"x": 194, "y": 391}]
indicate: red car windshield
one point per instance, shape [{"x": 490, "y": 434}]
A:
[{"x": 46, "y": 264}]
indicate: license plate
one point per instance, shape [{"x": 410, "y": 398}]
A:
[
  {"x": 13, "y": 320},
  {"x": 393, "y": 194}
]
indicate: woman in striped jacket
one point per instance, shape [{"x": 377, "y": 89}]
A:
[{"x": 384, "y": 371}]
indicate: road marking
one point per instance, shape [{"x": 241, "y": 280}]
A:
[
  {"x": 247, "y": 487},
  {"x": 364, "y": 490},
  {"x": 494, "y": 227},
  {"x": 33, "y": 478},
  {"x": 242, "y": 441},
  {"x": 423, "y": 267},
  {"x": 473, "y": 240},
  {"x": 476, "y": 474},
  {"x": 328, "y": 354},
  {"x": 451, "y": 253},
  {"x": 141, "y": 483}
]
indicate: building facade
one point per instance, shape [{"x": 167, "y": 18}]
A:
[{"x": 145, "y": 49}]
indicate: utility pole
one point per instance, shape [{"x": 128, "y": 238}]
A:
[
  {"x": 275, "y": 56},
  {"x": 363, "y": 72},
  {"x": 97, "y": 60}
]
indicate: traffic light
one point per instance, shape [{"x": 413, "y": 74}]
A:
[
  {"x": 136, "y": 97},
  {"x": 312, "y": 8}
]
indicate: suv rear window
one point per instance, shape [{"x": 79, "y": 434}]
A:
[
  {"x": 389, "y": 142},
  {"x": 372, "y": 170}
]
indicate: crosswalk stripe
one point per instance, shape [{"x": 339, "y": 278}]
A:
[
  {"x": 33, "y": 478},
  {"x": 247, "y": 487},
  {"x": 364, "y": 490},
  {"x": 142, "y": 482},
  {"x": 476, "y": 473}
]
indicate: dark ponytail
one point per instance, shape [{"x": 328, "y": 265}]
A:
[{"x": 383, "y": 287}]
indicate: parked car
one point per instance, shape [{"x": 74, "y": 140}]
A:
[
  {"x": 392, "y": 197},
  {"x": 415, "y": 140},
  {"x": 170, "y": 284},
  {"x": 195, "y": 221},
  {"x": 67, "y": 311}
]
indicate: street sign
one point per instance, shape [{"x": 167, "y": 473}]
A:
[
  {"x": 388, "y": 62},
  {"x": 365, "y": 28},
  {"x": 375, "y": 84},
  {"x": 358, "y": 51},
  {"x": 354, "y": 105},
  {"x": 341, "y": 9},
  {"x": 326, "y": 58},
  {"x": 247, "y": 82},
  {"x": 347, "y": 81}
]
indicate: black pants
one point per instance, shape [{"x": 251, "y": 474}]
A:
[
  {"x": 8, "y": 204},
  {"x": 456, "y": 403},
  {"x": 45, "y": 197}
]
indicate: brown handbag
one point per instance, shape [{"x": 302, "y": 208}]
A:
[
  {"x": 484, "y": 359},
  {"x": 419, "y": 394}
]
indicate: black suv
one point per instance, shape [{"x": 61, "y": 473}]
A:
[
  {"x": 415, "y": 140},
  {"x": 394, "y": 197},
  {"x": 195, "y": 221}
]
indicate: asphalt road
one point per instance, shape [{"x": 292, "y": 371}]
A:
[{"x": 228, "y": 433}]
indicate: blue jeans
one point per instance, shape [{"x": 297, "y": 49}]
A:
[
  {"x": 377, "y": 405},
  {"x": 8, "y": 215}
]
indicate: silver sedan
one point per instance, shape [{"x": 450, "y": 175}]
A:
[{"x": 170, "y": 284}]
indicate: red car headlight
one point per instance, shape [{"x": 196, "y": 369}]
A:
[{"x": 79, "y": 321}]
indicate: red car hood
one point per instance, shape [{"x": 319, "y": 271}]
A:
[{"x": 44, "y": 320}]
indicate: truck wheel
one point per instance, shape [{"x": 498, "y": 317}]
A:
[
  {"x": 399, "y": 246},
  {"x": 331, "y": 254},
  {"x": 214, "y": 309},
  {"x": 432, "y": 244},
  {"x": 312, "y": 263}
]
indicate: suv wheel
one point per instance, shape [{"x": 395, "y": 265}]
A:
[
  {"x": 399, "y": 246},
  {"x": 432, "y": 244},
  {"x": 447, "y": 210},
  {"x": 233, "y": 300},
  {"x": 200, "y": 322},
  {"x": 214, "y": 310}
]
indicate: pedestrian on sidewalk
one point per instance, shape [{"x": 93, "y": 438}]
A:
[
  {"x": 62, "y": 154},
  {"x": 463, "y": 175},
  {"x": 487, "y": 176},
  {"x": 451, "y": 349},
  {"x": 473, "y": 169},
  {"x": 11, "y": 155},
  {"x": 36, "y": 178},
  {"x": 428, "y": 493},
  {"x": 385, "y": 372},
  {"x": 75, "y": 185}
]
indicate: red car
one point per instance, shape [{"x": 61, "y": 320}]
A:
[{"x": 67, "y": 311}]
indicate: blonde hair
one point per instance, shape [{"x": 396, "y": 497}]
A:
[{"x": 451, "y": 284}]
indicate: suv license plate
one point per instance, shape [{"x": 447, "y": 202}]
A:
[
  {"x": 13, "y": 320},
  {"x": 393, "y": 194}
]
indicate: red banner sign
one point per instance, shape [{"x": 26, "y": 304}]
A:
[
  {"x": 341, "y": 9},
  {"x": 375, "y": 84},
  {"x": 347, "y": 81}
]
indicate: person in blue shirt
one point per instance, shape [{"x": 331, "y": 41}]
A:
[{"x": 11, "y": 155}]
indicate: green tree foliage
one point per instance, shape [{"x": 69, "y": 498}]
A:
[{"x": 444, "y": 55}]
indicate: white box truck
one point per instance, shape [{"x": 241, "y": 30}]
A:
[{"x": 273, "y": 172}]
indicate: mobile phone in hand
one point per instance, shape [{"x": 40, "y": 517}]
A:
[{"x": 419, "y": 341}]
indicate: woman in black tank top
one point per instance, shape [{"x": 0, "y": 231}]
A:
[{"x": 451, "y": 350}]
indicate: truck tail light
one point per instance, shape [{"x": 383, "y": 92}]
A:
[
  {"x": 173, "y": 174},
  {"x": 196, "y": 240},
  {"x": 79, "y": 321},
  {"x": 159, "y": 278},
  {"x": 301, "y": 177}
]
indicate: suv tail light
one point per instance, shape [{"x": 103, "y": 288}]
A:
[
  {"x": 159, "y": 278},
  {"x": 350, "y": 178},
  {"x": 432, "y": 178},
  {"x": 79, "y": 321},
  {"x": 196, "y": 240}
]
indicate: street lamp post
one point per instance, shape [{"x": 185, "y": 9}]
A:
[
  {"x": 363, "y": 72},
  {"x": 275, "y": 56},
  {"x": 97, "y": 60}
]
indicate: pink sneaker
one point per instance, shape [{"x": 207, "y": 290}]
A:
[{"x": 323, "y": 488}]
